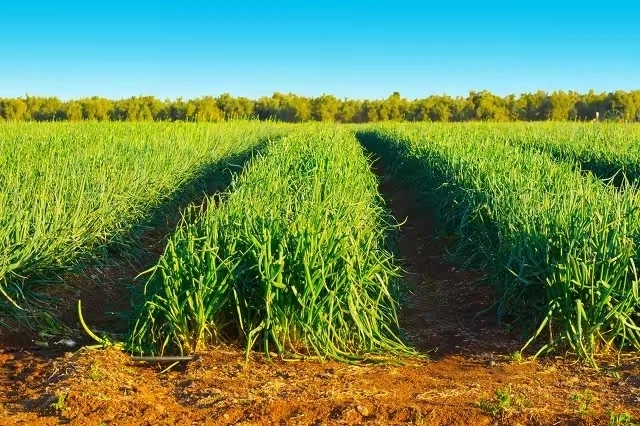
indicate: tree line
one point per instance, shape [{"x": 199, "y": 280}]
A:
[{"x": 481, "y": 106}]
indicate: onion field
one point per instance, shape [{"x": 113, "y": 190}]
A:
[
  {"x": 296, "y": 256},
  {"x": 69, "y": 192}
]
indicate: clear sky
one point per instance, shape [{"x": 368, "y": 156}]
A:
[{"x": 356, "y": 49}]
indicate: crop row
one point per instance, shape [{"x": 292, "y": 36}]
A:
[
  {"x": 561, "y": 248},
  {"x": 295, "y": 261}
]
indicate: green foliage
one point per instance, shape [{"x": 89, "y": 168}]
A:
[
  {"x": 69, "y": 191},
  {"x": 483, "y": 106},
  {"x": 95, "y": 373},
  {"x": 294, "y": 260},
  {"x": 515, "y": 357},
  {"x": 583, "y": 401},
  {"x": 505, "y": 401},
  {"x": 620, "y": 419},
  {"x": 561, "y": 248},
  {"x": 59, "y": 405},
  {"x": 609, "y": 151}
]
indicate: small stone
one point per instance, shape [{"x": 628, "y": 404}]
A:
[
  {"x": 66, "y": 342},
  {"x": 364, "y": 411}
]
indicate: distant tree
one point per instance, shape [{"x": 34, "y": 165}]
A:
[
  {"x": 561, "y": 105},
  {"x": 13, "y": 109},
  {"x": 267, "y": 108},
  {"x": 626, "y": 102},
  {"x": 395, "y": 107},
  {"x": 159, "y": 109},
  {"x": 369, "y": 112},
  {"x": 227, "y": 105},
  {"x": 119, "y": 111},
  {"x": 245, "y": 108},
  {"x": 231, "y": 107},
  {"x": 462, "y": 109},
  {"x": 45, "y": 109},
  {"x": 382, "y": 110},
  {"x": 144, "y": 112},
  {"x": 433, "y": 108},
  {"x": 324, "y": 108},
  {"x": 488, "y": 107},
  {"x": 97, "y": 108},
  {"x": 420, "y": 109},
  {"x": 33, "y": 107},
  {"x": 131, "y": 109},
  {"x": 284, "y": 107},
  {"x": 191, "y": 110},
  {"x": 301, "y": 108},
  {"x": 510, "y": 104},
  {"x": 178, "y": 110},
  {"x": 290, "y": 107},
  {"x": 591, "y": 103},
  {"x": 74, "y": 111},
  {"x": 207, "y": 110},
  {"x": 534, "y": 106},
  {"x": 440, "y": 109},
  {"x": 349, "y": 111}
]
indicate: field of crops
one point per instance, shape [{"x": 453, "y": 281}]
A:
[
  {"x": 297, "y": 255},
  {"x": 70, "y": 192},
  {"x": 457, "y": 255}
]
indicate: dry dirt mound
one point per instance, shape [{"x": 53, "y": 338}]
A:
[{"x": 106, "y": 387}]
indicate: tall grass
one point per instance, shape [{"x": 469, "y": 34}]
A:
[
  {"x": 67, "y": 191},
  {"x": 294, "y": 261},
  {"x": 560, "y": 247}
]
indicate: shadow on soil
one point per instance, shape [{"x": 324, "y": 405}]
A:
[{"x": 446, "y": 311}]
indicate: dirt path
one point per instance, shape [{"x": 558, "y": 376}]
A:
[
  {"x": 445, "y": 311},
  {"x": 458, "y": 386}
]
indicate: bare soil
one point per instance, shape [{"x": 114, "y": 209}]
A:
[{"x": 469, "y": 362}]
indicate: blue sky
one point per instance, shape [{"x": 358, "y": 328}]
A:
[{"x": 352, "y": 49}]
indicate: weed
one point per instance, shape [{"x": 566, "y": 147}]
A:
[
  {"x": 515, "y": 357},
  {"x": 95, "y": 373},
  {"x": 583, "y": 401},
  {"x": 505, "y": 401},
  {"x": 59, "y": 405},
  {"x": 612, "y": 372},
  {"x": 620, "y": 419}
]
